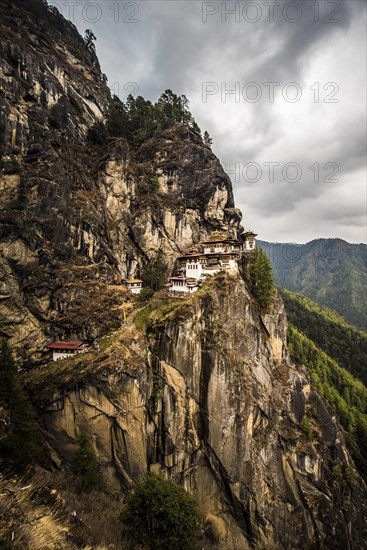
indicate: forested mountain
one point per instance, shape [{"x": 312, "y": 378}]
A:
[
  {"x": 335, "y": 353},
  {"x": 341, "y": 341},
  {"x": 331, "y": 272},
  {"x": 345, "y": 395}
]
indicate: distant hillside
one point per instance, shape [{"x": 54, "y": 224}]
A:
[
  {"x": 331, "y": 272},
  {"x": 345, "y": 395},
  {"x": 341, "y": 341},
  {"x": 335, "y": 353}
]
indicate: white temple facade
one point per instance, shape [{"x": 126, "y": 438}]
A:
[{"x": 210, "y": 257}]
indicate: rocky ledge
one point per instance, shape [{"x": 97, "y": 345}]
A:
[{"x": 204, "y": 391}]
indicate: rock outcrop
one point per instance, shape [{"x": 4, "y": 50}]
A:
[
  {"x": 73, "y": 213},
  {"x": 201, "y": 389},
  {"x": 213, "y": 400}
]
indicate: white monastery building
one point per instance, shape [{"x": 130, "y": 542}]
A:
[
  {"x": 221, "y": 253},
  {"x": 62, "y": 350},
  {"x": 134, "y": 285}
]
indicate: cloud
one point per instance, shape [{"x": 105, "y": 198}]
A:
[{"x": 324, "y": 53}]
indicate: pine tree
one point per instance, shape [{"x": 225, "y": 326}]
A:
[
  {"x": 138, "y": 119},
  {"x": 89, "y": 39},
  {"x": 118, "y": 122},
  {"x": 207, "y": 139},
  {"x": 84, "y": 464},
  {"x": 260, "y": 278},
  {"x": 155, "y": 272},
  {"x": 23, "y": 446}
]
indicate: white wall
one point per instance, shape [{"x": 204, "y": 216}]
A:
[
  {"x": 193, "y": 270},
  {"x": 250, "y": 246},
  {"x": 179, "y": 286},
  {"x": 56, "y": 355},
  {"x": 135, "y": 289}
]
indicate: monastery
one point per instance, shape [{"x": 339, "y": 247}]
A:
[
  {"x": 63, "y": 350},
  {"x": 220, "y": 253}
]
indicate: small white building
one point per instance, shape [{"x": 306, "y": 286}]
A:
[
  {"x": 134, "y": 285},
  {"x": 62, "y": 350},
  {"x": 249, "y": 241}
]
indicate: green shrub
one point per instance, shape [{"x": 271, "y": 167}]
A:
[
  {"x": 97, "y": 133},
  {"x": 337, "y": 471},
  {"x": 141, "y": 319},
  {"x": 161, "y": 515},
  {"x": 154, "y": 183},
  {"x": 350, "y": 476},
  {"x": 84, "y": 464},
  {"x": 144, "y": 295},
  {"x": 306, "y": 428},
  {"x": 149, "y": 186},
  {"x": 22, "y": 446}
]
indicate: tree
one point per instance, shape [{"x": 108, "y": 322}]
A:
[
  {"x": 144, "y": 295},
  {"x": 260, "y": 278},
  {"x": 89, "y": 39},
  {"x": 118, "y": 123},
  {"x": 22, "y": 446},
  {"x": 162, "y": 515},
  {"x": 186, "y": 115},
  {"x": 138, "y": 119},
  {"x": 154, "y": 274},
  {"x": 207, "y": 139},
  {"x": 97, "y": 133},
  {"x": 84, "y": 464}
]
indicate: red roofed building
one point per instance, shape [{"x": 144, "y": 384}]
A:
[{"x": 62, "y": 350}]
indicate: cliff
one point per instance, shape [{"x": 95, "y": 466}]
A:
[
  {"x": 212, "y": 399},
  {"x": 202, "y": 389},
  {"x": 74, "y": 215}
]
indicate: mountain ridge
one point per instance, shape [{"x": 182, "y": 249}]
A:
[{"x": 332, "y": 272}]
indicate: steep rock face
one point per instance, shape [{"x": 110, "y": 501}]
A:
[
  {"x": 210, "y": 398},
  {"x": 213, "y": 401},
  {"x": 73, "y": 213}
]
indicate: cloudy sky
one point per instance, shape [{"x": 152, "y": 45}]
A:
[{"x": 280, "y": 86}]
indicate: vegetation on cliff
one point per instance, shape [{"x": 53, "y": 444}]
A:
[
  {"x": 161, "y": 515},
  {"x": 21, "y": 447},
  {"x": 259, "y": 277},
  {"x": 48, "y": 17},
  {"x": 138, "y": 119},
  {"x": 155, "y": 273},
  {"x": 329, "y": 331},
  {"x": 49, "y": 512},
  {"x": 345, "y": 395},
  {"x": 85, "y": 466}
]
